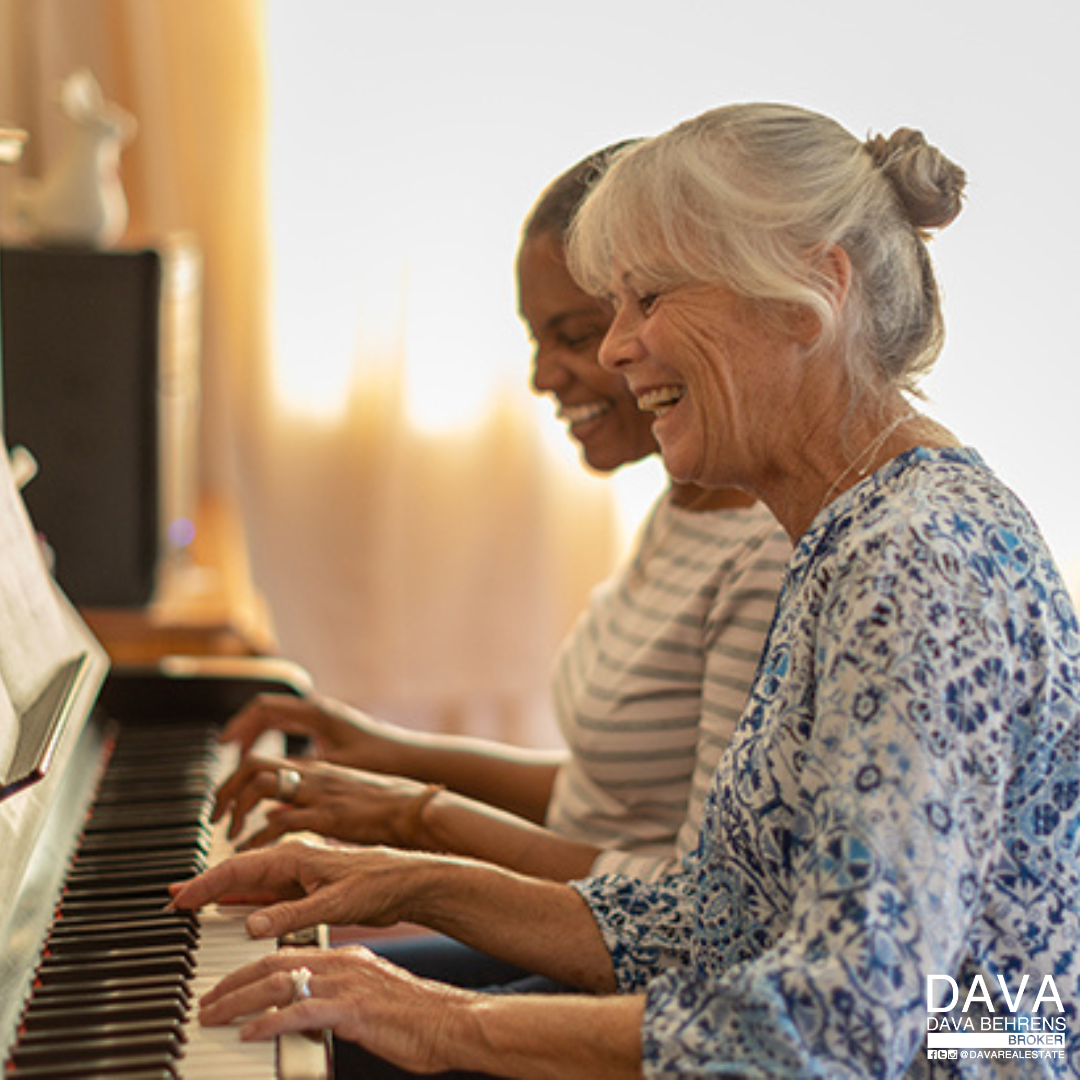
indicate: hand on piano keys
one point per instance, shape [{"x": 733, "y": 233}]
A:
[
  {"x": 361, "y": 997},
  {"x": 415, "y": 1023},
  {"x": 224, "y": 946},
  {"x": 214, "y": 1052},
  {"x": 350, "y": 789},
  {"x": 334, "y": 801}
]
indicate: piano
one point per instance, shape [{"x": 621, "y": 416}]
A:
[
  {"x": 96, "y": 979},
  {"x": 106, "y": 786}
]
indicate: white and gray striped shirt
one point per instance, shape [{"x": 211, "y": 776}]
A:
[{"x": 651, "y": 681}]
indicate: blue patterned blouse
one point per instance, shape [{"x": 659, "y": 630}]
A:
[{"x": 901, "y": 801}]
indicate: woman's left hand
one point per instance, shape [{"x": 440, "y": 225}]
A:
[
  {"x": 331, "y": 800},
  {"x": 350, "y": 991}
]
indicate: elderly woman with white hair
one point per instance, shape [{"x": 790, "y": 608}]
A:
[{"x": 891, "y": 837}]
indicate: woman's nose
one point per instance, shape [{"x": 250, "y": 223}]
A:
[
  {"x": 547, "y": 373},
  {"x": 620, "y": 346}
]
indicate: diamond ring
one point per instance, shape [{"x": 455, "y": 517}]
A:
[
  {"x": 301, "y": 984},
  {"x": 288, "y": 783}
]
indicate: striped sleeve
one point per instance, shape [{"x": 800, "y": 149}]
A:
[{"x": 650, "y": 685}]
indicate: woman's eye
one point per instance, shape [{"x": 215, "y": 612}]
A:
[
  {"x": 579, "y": 341},
  {"x": 648, "y": 302}
]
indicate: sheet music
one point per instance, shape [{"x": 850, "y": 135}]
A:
[{"x": 36, "y": 633}]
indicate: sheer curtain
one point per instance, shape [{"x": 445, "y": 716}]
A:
[
  {"x": 416, "y": 522},
  {"x": 425, "y": 571},
  {"x": 406, "y": 458}
]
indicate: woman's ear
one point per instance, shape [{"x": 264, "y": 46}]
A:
[
  {"x": 834, "y": 266},
  {"x": 831, "y": 266}
]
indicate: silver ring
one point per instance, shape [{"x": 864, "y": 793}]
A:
[
  {"x": 288, "y": 784},
  {"x": 301, "y": 984}
]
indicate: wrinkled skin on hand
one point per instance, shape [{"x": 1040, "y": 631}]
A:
[
  {"x": 302, "y": 884},
  {"x": 332, "y": 800},
  {"x": 357, "y": 995}
]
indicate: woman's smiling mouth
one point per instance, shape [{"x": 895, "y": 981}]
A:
[
  {"x": 583, "y": 413},
  {"x": 660, "y": 400}
]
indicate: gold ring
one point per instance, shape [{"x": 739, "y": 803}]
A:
[
  {"x": 288, "y": 784},
  {"x": 301, "y": 984}
]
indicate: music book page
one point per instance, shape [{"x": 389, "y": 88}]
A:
[
  {"x": 40, "y": 634},
  {"x": 36, "y": 631}
]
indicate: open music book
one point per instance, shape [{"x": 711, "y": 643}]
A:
[{"x": 50, "y": 664}]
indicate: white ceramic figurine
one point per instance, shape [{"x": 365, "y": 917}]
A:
[{"x": 80, "y": 201}]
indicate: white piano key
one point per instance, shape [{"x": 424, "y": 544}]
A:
[
  {"x": 214, "y": 1052},
  {"x": 224, "y": 946}
]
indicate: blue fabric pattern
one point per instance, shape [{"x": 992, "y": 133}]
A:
[{"x": 901, "y": 799}]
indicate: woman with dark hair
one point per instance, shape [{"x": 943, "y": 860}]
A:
[{"x": 647, "y": 687}]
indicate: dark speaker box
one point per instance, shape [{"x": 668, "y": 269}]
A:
[{"x": 99, "y": 382}]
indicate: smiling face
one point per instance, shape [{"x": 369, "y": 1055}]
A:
[
  {"x": 567, "y": 327},
  {"x": 714, "y": 376}
]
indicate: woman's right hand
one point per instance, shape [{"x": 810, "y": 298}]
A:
[
  {"x": 338, "y": 734},
  {"x": 425, "y": 1026},
  {"x": 299, "y": 884},
  {"x": 357, "y": 995}
]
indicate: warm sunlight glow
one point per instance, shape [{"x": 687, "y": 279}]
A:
[
  {"x": 314, "y": 367},
  {"x": 462, "y": 341},
  {"x": 412, "y": 137}
]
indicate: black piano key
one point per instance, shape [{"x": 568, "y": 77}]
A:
[
  {"x": 172, "y": 839},
  {"x": 138, "y": 776},
  {"x": 94, "y": 960},
  {"x": 162, "y": 1046},
  {"x": 126, "y": 941},
  {"x": 75, "y": 923},
  {"x": 137, "y": 1067},
  {"x": 139, "y": 918},
  {"x": 105, "y": 908},
  {"x": 142, "y": 786},
  {"x": 168, "y": 1030},
  {"x": 146, "y": 818},
  {"x": 156, "y": 1000},
  {"x": 155, "y": 879},
  {"x": 144, "y": 862},
  {"x": 84, "y": 896},
  {"x": 71, "y": 1015},
  {"x": 181, "y": 921},
  {"x": 91, "y": 888},
  {"x": 135, "y": 868},
  {"x": 135, "y": 988},
  {"x": 109, "y": 970}
]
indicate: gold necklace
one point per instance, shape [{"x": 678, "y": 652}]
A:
[{"x": 866, "y": 456}]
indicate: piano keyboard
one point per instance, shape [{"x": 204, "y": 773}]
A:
[{"x": 116, "y": 991}]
